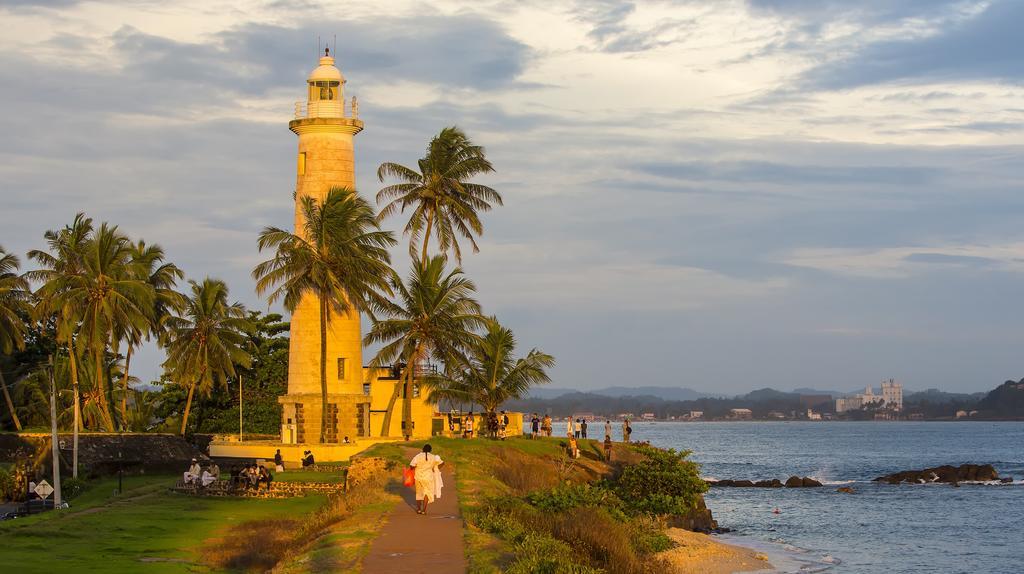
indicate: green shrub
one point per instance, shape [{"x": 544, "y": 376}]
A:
[
  {"x": 72, "y": 487},
  {"x": 665, "y": 482},
  {"x": 648, "y": 535},
  {"x": 600, "y": 539},
  {"x": 566, "y": 496},
  {"x": 541, "y": 554},
  {"x": 8, "y": 485}
]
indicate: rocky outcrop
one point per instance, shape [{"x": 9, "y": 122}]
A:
[
  {"x": 697, "y": 520},
  {"x": 791, "y": 482},
  {"x": 946, "y": 473}
]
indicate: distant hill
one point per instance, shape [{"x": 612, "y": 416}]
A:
[
  {"x": 808, "y": 391},
  {"x": 1005, "y": 401},
  {"x": 663, "y": 393},
  {"x": 936, "y": 396}
]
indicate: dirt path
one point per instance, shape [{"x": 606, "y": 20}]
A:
[{"x": 412, "y": 544}]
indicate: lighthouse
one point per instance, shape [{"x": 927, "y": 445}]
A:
[{"x": 326, "y": 126}]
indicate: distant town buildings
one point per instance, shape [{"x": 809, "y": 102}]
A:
[
  {"x": 743, "y": 414},
  {"x": 890, "y": 398},
  {"x": 648, "y": 416}
]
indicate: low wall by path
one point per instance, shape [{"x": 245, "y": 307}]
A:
[
  {"x": 102, "y": 453},
  {"x": 292, "y": 453}
]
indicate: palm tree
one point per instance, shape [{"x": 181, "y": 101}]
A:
[
  {"x": 443, "y": 201},
  {"x": 15, "y": 296},
  {"x": 339, "y": 256},
  {"x": 492, "y": 375},
  {"x": 65, "y": 260},
  {"x": 110, "y": 296},
  {"x": 206, "y": 340},
  {"x": 435, "y": 316},
  {"x": 148, "y": 262}
]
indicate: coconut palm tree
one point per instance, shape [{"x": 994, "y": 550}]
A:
[
  {"x": 64, "y": 260},
  {"x": 435, "y": 316},
  {"x": 492, "y": 374},
  {"x": 15, "y": 297},
  {"x": 148, "y": 262},
  {"x": 110, "y": 296},
  {"x": 438, "y": 192},
  {"x": 339, "y": 256},
  {"x": 206, "y": 340}
]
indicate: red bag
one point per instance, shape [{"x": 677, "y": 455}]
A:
[{"x": 409, "y": 477}]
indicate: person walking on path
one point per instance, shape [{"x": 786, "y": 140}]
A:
[
  {"x": 546, "y": 425},
  {"x": 626, "y": 430},
  {"x": 469, "y": 425},
  {"x": 534, "y": 426},
  {"x": 428, "y": 478},
  {"x": 607, "y": 430},
  {"x": 583, "y": 428}
]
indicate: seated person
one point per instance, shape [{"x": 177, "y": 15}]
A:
[
  {"x": 308, "y": 459},
  {"x": 264, "y": 476},
  {"x": 574, "y": 449},
  {"x": 215, "y": 471},
  {"x": 347, "y": 441},
  {"x": 207, "y": 478},
  {"x": 193, "y": 473},
  {"x": 236, "y": 477}
]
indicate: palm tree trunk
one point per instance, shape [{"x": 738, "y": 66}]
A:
[
  {"x": 188, "y": 407},
  {"x": 10, "y": 403},
  {"x": 410, "y": 374},
  {"x": 426, "y": 236},
  {"x": 323, "y": 370},
  {"x": 78, "y": 409},
  {"x": 101, "y": 387},
  {"x": 124, "y": 389},
  {"x": 385, "y": 429}
]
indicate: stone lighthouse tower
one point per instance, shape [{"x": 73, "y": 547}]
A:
[{"x": 326, "y": 128}]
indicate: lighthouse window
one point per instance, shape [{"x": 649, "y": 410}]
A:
[
  {"x": 302, "y": 163},
  {"x": 341, "y": 368},
  {"x": 324, "y": 90}
]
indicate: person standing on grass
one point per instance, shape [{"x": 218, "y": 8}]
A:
[
  {"x": 570, "y": 427},
  {"x": 427, "y": 469},
  {"x": 608, "y": 447},
  {"x": 534, "y": 426},
  {"x": 583, "y": 428},
  {"x": 546, "y": 425},
  {"x": 278, "y": 461},
  {"x": 607, "y": 430},
  {"x": 469, "y": 425},
  {"x": 626, "y": 430}
]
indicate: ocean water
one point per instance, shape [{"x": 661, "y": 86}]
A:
[{"x": 882, "y": 528}]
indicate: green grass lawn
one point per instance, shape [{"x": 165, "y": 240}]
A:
[
  {"x": 309, "y": 476},
  {"x": 146, "y": 529}
]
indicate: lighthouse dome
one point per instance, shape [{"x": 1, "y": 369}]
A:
[{"x": 326, "y": 71}]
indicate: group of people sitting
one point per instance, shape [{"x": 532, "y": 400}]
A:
[
  {"x": 197, "y": 475},
  {"x": 250, "y": 476},
  {"x": 247, "y": 476}
]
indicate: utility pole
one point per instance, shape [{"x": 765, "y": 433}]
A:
[
  {"x": 53, "y": 432},
  {"x": 240, "y": 439}
]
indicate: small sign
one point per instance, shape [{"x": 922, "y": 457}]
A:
[{"x": 43, "y": 489}]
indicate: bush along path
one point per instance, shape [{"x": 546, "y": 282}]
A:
[{"x": 410, "y": 543}]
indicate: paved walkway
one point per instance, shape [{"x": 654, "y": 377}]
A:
[{"x": 410, "y": 543}]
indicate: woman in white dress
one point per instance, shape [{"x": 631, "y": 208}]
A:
[{"x": 427, "y": 468}]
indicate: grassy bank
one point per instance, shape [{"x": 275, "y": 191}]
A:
[{"x": 530, "y": 509}]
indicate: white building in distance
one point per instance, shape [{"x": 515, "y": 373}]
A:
[{"x": 891, "y": 397}]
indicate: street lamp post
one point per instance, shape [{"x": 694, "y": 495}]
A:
[{"x": 53, "y": 432}]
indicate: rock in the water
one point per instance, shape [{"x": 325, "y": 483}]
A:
[
  {"x": 946, "y": 473},
  {"x": 794, "y": 482},
  {"x": 845, "y": 489},
  {"x": 809, "y": 482},
  {"x": 1006, "y": 479}
]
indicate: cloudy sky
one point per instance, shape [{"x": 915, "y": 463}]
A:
[{"x": 724, "y": 195}]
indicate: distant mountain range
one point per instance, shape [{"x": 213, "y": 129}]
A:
[{"x": 663, "y": 393}]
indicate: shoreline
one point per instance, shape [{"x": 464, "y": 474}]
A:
[{"x": 698, "y": 553}]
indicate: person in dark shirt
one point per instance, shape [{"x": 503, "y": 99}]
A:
[
  {"x": 534, "y": 426},
  {"x": 583, "y": 428}
]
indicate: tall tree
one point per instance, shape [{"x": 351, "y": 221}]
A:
[
  {"x": 162, "y": 277},
  {"x": 64, "y": 261},
  {"x": 443, "y": 201},
  {"x": 491, "y": 374},
  {"x": 15, "y": 297},
  {"x": 110, "y": 296},
  {"x": 206, "y": 340},
  {"x": 339, "y": 256},
  {"x": 435, "y": 316}
]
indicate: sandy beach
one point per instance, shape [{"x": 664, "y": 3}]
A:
[{"x": 701, "y": 554}]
